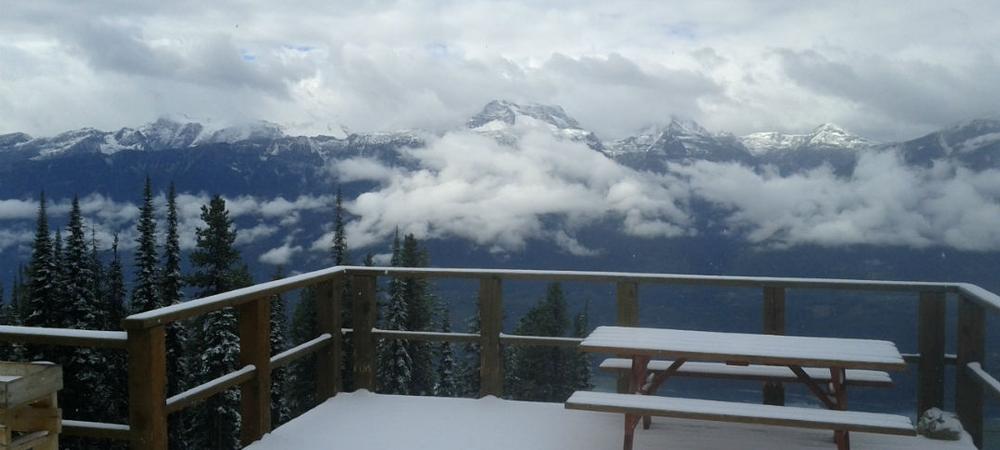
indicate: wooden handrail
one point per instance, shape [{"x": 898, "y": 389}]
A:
[
  {"x": 425, "y": 335},
  {"x": 63, "y": 337},
  {"x": 99, "y": 430},
  {"x": 300, "y": 351},
  {"x": 987, "y": 380},
  {"x": 205, "y": 390}
]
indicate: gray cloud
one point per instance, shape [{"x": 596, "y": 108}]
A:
[{"x": 738, "y": 66}]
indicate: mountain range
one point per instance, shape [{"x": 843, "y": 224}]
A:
[{"x": 179, "y": 147}]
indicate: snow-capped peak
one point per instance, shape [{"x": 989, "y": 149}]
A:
[
  {"x": 825, "y": 135},
  {"x": 248, "y": 131},
  {"x": 499, "y": 112}
]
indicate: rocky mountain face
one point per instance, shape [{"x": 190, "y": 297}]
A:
[{"x": 261, "y": 157}]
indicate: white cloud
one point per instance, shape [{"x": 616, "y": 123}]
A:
[
  {"x": 281, "y": 255},
  {"x": 495, "y": 195},
  {"x": 883, "y": 203}
]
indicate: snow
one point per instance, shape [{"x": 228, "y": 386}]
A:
[
  {"x": 8, "y": 378},
  {"x": 366, "y": 421},
  {"x": 737, "y": 412},
  {"x": 825, "y": 135},
  {"x": 850, "y": 353},
  {"x": 63, "y": 333},
  {"x": 753, "y": 370}
]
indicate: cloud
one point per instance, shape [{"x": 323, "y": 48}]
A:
[
  {"x": 472, "y": 187},
  {"x": 740, "y": 66},
  {"x": 281, "y": 255},
  {"x": 883, "y": 203}
]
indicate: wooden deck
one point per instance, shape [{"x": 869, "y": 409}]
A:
[{"x": 361, "y": 421}]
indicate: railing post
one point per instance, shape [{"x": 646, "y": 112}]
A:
[
  {"x": 628, "y": 316},
  {"x": 147, "y": 384},
  {"x": 490, "y": 327},
  {"x": 329, "y": 300},
  {"x": 364, "y": 313},
  {"x": 774, "y": 323},
  {"x": 930, "y": 343},
  {"x": 255, "y": 349},
  {"x": 971, "y": 348}
]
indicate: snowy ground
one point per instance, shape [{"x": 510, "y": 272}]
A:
[{"x": 362, "y": 420}]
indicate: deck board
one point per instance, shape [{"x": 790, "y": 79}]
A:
[{"x": 365, "y": 421}]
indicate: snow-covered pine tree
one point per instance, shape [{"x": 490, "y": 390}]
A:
[
  {"x": 341, "y": 256},
  {"x": 7, "y": 317},
  {"x": 170, "y": 284},
  {"x": 279, "y": 343},
  {"x": 99, "y": 285},
  {"x": 447, "y": 385},
  {"x": 87, "y": 393},
  {"x": 144, "y": 295},
  {"x": 115, "y": 293},
  {"x": 301, "y": 392},
  {"x": 394, "y": 371},
  {"x": 468, "y": 367},
  {"x": 217, "y": 268},
  {"x": 581, "y": 360},
  {"x": 42, "y": 306},
  {"x": 419, "y": 316}
]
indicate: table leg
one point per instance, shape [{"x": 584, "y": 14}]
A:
[
  {"x": 630, "y": 422},
  {"x": 839, "y": 388}
]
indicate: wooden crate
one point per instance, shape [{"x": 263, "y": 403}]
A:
[{"x": 30, "y": 418}]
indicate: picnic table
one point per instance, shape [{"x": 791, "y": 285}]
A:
[{"x": 802, "y": 355}]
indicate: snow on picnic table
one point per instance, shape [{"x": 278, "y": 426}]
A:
[{"x": 362, "y": 421}]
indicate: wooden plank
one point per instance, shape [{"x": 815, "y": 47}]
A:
[
  {"x": 236, "y": 297},
  {"x": 147, "y": 381},
  {"x": 255, "y": 350},
  {"x": 987, "y": 380},
  {"x": 209, "y": 388},
  {"x": 364, "y": 313},
  {"x": 720, "y": 411},
  {"x": 971, "y": 349},
  {"x": 746, "y": 348},
  {"x": 300, "y": 351},
  {"x": 329, "y": 298},
  {"x": 80, "y": 428},
  {"x": 430, "y": 336},
  {"x": 773, "y": 392},
  {"x": 871, "y": 378},
  {"x": 33, "y": 381},
  {"x": 675, "y": 279},
  {"x": 930, "y": 341},
  {"x": 62, "y": 336},
  {"x": 549, "y": 341},
  {"x": 627, "y": 306},
  {"x": 490, "y": 327}
]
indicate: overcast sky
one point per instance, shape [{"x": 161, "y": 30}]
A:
[{"x": 887, "y": 70}]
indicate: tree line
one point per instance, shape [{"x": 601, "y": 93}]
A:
[{"x": 68, "y": 284}]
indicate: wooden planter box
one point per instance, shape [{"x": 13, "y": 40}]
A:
[{"x": 30, "y": 418}]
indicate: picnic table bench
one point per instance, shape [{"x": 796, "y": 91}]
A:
[{"x": 753, "y": 355}]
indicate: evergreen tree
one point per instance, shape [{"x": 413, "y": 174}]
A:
[
  {"x": 99, "y": 285},
  {"x": 419, "y": 316},
  {"x": 115, "y": 292},
  {"x": 302, "y": 374},
  {"x": 395, "y": 366},
  {"x": 144, "y": 295},
  {"x": 581, "y": 360},
  {"x": 7, "y": 317},
  {"x": 341, "y": 257},
  {"x": 468, "y": 369},
  {"x": 446, "y": 386},
  {"x": 170, "y": 292},
  {"x": 42, "y": 308},
  {"x": 217, "y": 268},
  {"x": 62, "y": 318},
  {"x": 542, "y": 373},
  {"x": 279, "y": 343},
  {"x": 86, "y": 392}
]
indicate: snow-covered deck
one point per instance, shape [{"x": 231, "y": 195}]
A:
[{"x": 362, "y": 420}]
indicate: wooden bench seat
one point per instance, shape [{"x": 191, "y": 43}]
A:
[
  {"x": 854, "y": 377},
  {"x": 633, "y": 406}
]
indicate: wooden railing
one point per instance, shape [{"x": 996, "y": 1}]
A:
[{"x": 144, "y": 339}]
